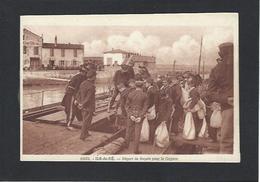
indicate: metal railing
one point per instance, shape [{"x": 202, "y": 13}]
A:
[{"x": 51, "y": 96}]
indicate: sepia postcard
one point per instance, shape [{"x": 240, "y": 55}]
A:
[{"x": 130, "y": 88}]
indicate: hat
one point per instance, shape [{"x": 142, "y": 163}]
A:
[
  {"x": 225, "y": 48},
  {"x": 124, "y": 67},
  {"x": 139, "y": 83},
  {"x": 82, "y": 68},
  {"x": 91, "y": 74},
  {"x": 226, "y": 45}
]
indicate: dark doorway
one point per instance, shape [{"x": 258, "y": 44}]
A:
[{"x": 35, "y": 63}]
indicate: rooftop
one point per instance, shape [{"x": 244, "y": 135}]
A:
[
  {"x": 62, "y": 46},
  {"x": 116, "y": 51}
]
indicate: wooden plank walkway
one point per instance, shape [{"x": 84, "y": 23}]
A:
[{"x": 49, "y": 136}]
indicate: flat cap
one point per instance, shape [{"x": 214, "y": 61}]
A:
[{"x": 225, "y": 45}]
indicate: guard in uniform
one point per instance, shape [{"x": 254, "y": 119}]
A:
[
  {"x": 71, "y": 91},
  {"x": 85, "y": 101},
  {"x": 220, "y": 89},
  {"x": 121, "y": 76}
]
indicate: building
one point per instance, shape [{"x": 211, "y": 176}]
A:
[
  {"x": 62, "y": 56},
  {"x": 118, "y": 56},
  {"x": 40, "y": 55},
  {"x": 32, "y": 50}
]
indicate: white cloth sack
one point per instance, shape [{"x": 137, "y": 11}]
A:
[
  {"x": 162, "y": 138},
  {"x": 151, "y": 114},
  {"x": 216, "y": 119},
  {"x": 145, "y": 131},
  {"x": 189, "y": 132},
  {"x": 203, "y": 129}
]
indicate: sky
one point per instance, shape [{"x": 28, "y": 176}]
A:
[{"x": 165, "y": 42}]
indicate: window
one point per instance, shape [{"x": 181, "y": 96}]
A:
[
  {"x": 24, "y": 49},
  {"x": 36, "y": 50},
  {"x": 62, "y": 52},
  {"x": 62, "y": 63},
  {"x": 75, "y": 52},
  {"x": 74, "y": 63},
  {"x": 51, "y": 52}
]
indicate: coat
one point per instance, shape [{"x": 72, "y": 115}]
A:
[
  {"x": 137, "y": 103},
  {"x": 86, "y": 95}
]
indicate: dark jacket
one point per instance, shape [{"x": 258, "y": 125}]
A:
[
  {"x": 123, "y": 98},
  {"x": 153, "y": 97},
  {"x": 176, "y": 94},
  {"x": 195, "y": 97},
  {"x": 165, "y": 109},
  {"x": 74, "y": 83},
  {"x": 86, "y": 95},
  {"x": 221, "y": 84},
  {"x": 121, "y": 77},
  {"x": 130, "y": 72},
  {"x": 137, "y": 103}
]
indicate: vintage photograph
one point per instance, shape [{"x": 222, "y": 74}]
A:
[{"x": 130, "y": 88}]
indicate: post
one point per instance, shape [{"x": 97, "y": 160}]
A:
[
  {"x": 200, "y": 54},
  {"x": 42, "y": 97},
  {"x": 173, "y": 69},
  {"x": 203, "y": 70}
]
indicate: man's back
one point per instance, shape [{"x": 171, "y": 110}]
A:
[{"x": 137, "y": 103}]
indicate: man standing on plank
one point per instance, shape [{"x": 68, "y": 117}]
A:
[{"x": 85, "y": 101}]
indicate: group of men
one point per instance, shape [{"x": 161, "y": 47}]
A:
[{"x": 140, "y": 96}]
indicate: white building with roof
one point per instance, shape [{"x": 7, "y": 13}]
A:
[{"x": 118, "y": 56}]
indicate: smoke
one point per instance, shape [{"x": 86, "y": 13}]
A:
[{"x": 185, "y": 49}]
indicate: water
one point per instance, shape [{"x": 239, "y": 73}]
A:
[{"x": 35, "y": 96}]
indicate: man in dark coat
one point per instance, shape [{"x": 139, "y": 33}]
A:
[
  {"x": 178, "y": 115},
  {"x": 220, "y": 89},
  {"x": 153, "y": 103},
  {"x": 120, "y": 76},
  {"x": 136, "y": 107},
  {"x": 71, "y": 91},
  {"x": 164, "y": 110},
  {"x": 85, "y": 101}
]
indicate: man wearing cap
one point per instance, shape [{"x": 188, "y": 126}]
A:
[
  {"x": 130, "y": 70},
  {"x": 220, "y": 89},
  {"x": 71, "y": 91},
  {"x": 136, "y": 107},
  {"x": 121, "y": 76},
  {"x": 153, "y": 105},
  {"x": 85, "y": 101},
  {"x": 177, "y": 116}
]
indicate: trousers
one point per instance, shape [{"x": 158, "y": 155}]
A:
[
  {"x": 87, "y": 118},
  {"x": 226, "y": 138},
  {"x": 113, "y": 98},
  {"x": 136, "y": 127}
]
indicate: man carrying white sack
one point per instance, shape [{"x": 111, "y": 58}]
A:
[{"x": 220, "y": 90}]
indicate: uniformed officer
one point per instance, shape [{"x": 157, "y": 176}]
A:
[
  {"x": 71, "y": 91},
  {"x": 121, "y": 76},
  {"x": 220, "y": 89},
  {"x": 85, "y": 101}
]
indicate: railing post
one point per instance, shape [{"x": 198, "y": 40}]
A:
[{"x": 42, "y": 98}]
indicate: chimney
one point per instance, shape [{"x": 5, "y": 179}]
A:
[{"x": 55, "y": 40}]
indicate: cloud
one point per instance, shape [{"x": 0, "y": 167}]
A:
[{"x": 185, "y": 49}]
